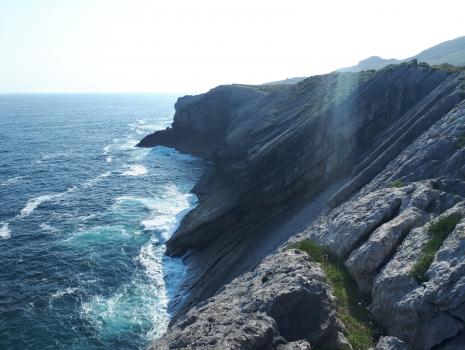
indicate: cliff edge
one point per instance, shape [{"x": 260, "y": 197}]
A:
[{"x": 361, "y": 164}]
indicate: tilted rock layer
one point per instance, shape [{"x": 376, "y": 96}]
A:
[{"x": 359, "y": 163}]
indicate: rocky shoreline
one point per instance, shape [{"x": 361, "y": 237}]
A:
[{"x": 362, "y": 164}]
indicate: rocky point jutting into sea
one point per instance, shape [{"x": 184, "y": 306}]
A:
[{"x": 363, "y": 171}]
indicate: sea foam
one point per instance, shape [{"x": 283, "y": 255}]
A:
[
  {"x": 33, "y": 203},
  {"x": 5, "y": 231},
  {"x": 12, "y": 180},
  {"x": 106, "y": 153},
  {"x": 96, "y": 179},
  {"x": 136, "y": 170}
]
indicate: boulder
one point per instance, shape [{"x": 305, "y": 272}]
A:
[
  {"x": 390, "y": 343},
  {"x": 284, "y": 303}
]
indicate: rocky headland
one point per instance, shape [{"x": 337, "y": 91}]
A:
[{"x": 331, "y": 213}]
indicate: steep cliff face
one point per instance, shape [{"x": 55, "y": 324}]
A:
[{"x": 279, "y": 154}]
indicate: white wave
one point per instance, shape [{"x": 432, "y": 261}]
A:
[
  {"x": 5, "y": 231},
  {"x": 106, "y": 153},
  {"x": 12, "y": 180},
  {"x": 96, "y": 179},
  {"x": 170, "y": 209},
  {"x": 128, "y": 144},
  {"x": 142, "y": 127},
  {"x": 142, "y": 302},
  {"x": 33, "y": 203},
  {"x": 46, "y": 227},
  {"x": 135, "y": 170},
  {"x": 166, "y": 211},
  {"x": 87, "y": 217},
  {"x": 63, "y": 292}
]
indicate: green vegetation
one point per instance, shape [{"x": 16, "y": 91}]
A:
[
  {"x": 448, "y": 68},
  {"x": 438, "y": 232},
  {"x": 397, "y": 184},
  {"x": 351, "y": 308},
  {"x": 461, "y": 142}
]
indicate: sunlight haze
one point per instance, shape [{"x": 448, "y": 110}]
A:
[{"x": 192, "y": 46}]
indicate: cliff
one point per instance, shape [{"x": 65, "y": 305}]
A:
[{"x": 359, "y": 163}]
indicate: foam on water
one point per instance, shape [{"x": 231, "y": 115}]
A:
[
  {"x": 138, "y": 306},
  {"x": 168, "y": 212},
  {"x": 5, "y": 232},
  {"x": 135, "y": 170},
  {"x": 97, "y": 179},
  {"x": 63, "y": 292},
  {"x": 143, "y": 303},
  {"x": 46, "y": 227},
  {"x": 96, "y": 251},
  {"x": 106, "y": 153},
  {"x": 33, "y": 203},
  {"x": 126, "y": 144},
  {"x": 12, "y": 180},
  {"x": 142, "y": 127}
]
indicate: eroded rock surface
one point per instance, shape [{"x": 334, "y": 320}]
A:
[
  {"x": 428, "y": 314},
  {"x": 390, "y": 343},
  {"x": 284, "y": 303},
  {"x": 385, "y": 150}
]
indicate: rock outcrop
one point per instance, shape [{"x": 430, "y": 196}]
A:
[
  {"x": 284, "y": 303},
  {"x": 362, "y": 164},
  {"x": 390, "y": 343}
]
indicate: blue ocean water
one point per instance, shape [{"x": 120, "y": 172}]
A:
[{"x": 83, "y": 220}]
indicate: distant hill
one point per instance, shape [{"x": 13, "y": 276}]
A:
[
  {"x": 373, "y": 62},
  {"x": 287, "y": 81},
  {"x": 451, "y": 52}
]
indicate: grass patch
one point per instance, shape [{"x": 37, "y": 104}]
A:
[
  {"x": 397, "y": 184},
  {"x": 448, "y": 68},
  {"x": 351, "y": 307},
  {"x": 438, "y": 232},
  {"x": 461, "y": 142}
]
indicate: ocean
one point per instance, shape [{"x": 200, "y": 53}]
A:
[{"x": 84, "y": 216}]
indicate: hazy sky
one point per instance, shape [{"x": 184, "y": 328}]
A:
[{"x": 193, "y": 45}]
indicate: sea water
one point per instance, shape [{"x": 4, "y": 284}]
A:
[{"x": 84, "y": 216}]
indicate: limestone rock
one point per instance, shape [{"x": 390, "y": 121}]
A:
[
  {"x": 285, "y": 297},
  {"x": 298, "y": 345},
  {"x": 390, "y": 343},
  {"x": 423, "y": 315}
]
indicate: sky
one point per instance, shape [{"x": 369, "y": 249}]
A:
[{"x": 191, "y": 46}]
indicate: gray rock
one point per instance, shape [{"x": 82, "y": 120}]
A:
[
  {"x": 354, "y": 221},
  {"x": 285, "y": 297},
  {"x": 390, "y": 343},
  {"x": 423, "y": 315},
  {"x": 364, "y": 262},
  {"x": 274, "y": 148},
  {"x": 298, "y": 345},
  {"x": 385, "y": 247}
]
